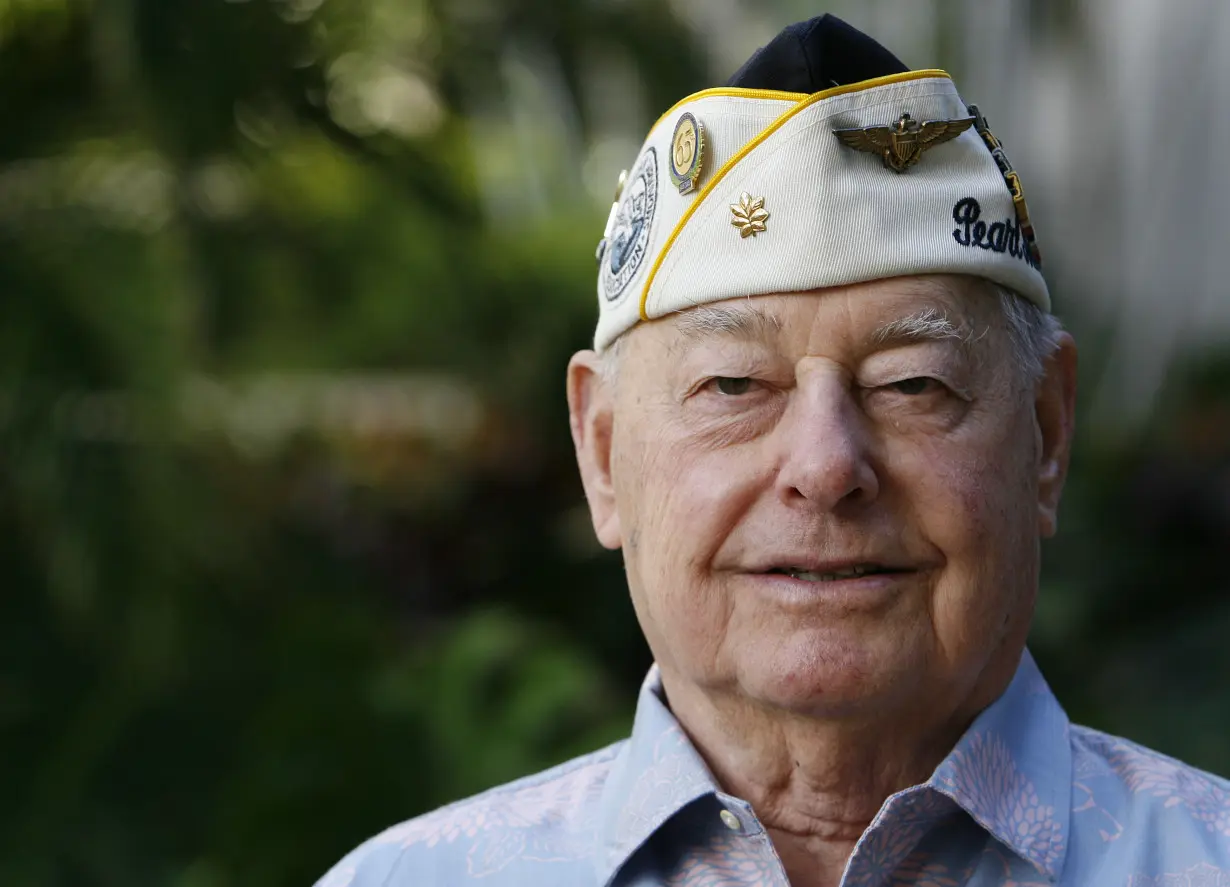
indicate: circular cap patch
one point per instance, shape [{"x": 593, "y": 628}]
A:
[{"x": 629, "y": 240}]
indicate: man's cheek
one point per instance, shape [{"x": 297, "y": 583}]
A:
[{"x": 962, "y": 499}]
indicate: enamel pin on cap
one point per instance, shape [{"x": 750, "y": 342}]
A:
[{"x": 687, "y": 153}]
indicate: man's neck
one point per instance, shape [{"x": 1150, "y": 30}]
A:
[{"x": 815, "y": 783}]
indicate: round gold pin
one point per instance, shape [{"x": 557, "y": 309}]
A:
[{"x": 687, "y": 153}]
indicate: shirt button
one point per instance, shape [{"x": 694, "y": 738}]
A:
[{"x": 730, "y": 820}]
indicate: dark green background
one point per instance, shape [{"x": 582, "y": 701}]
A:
[{"x": 238, "y": 636}]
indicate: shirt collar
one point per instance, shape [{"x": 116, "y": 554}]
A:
[
  {"x": 1011, "y": 772},
  {"x": 656, "y": 774}
]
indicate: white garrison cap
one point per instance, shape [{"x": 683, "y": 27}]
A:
[{"x": 744, "y": 191}]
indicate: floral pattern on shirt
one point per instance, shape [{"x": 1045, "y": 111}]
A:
[
  {"x": 1203, "y": 796},
  {"x": 894, "y": 834},
  {"x": 1202, "y": 875},
  {"x": 923, "y": 870},
  {"x": 547, "y": 819},
  {"x": 880, "y": 851},
  {"x": 674, "y": 776},
  {"x": 1095, "y": 814},
  {"x": 984, "y": 779},
  {"x": 1021, "y": 801},
  {"x": 728, "y": 860}
]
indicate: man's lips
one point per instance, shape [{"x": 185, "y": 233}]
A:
[
  {"x": 847, "y": 584},
  {"x": 830, "y": 569},
  {"x": 856, "y": 571}
]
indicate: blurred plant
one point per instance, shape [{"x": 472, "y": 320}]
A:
[{"x": 290, "y": 532}]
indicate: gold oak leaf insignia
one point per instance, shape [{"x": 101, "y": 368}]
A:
[
  {"x": 749, "y": 215},
  {"x": 900, "y": 145}
]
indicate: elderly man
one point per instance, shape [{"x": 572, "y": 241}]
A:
[{"x": 827, "y": 421}]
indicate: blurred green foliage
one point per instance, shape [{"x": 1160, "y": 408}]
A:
[{"x": 291, "y": 542}]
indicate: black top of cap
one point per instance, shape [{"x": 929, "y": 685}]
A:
[{"x": 815, "y": 55}]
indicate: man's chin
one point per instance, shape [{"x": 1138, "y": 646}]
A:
[{"x": 830, "y": 685}]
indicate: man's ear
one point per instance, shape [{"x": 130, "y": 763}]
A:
[
  {"x": 591, "y": 417},
  {"x": 1055, "y": 410}
]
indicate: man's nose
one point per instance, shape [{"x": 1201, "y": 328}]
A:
[{"x": 825, "y": 457}]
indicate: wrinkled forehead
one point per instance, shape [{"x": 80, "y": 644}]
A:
[{"x": 882, "y": 312}]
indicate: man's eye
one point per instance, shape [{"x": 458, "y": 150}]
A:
[
  {"x": 916, "y": 385},
  {"x": 733, "y": 386}
]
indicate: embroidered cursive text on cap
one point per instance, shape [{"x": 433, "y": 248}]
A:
[{"x": 998, "y": 237}]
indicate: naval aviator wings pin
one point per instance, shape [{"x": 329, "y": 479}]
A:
[
  {"x": 902, "y": 144},
  {"x": 687, "y": 153}
]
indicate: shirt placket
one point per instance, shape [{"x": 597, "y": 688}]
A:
[
  {"x": 899, "y": 827},
  {"x": 750, "y": 839}
]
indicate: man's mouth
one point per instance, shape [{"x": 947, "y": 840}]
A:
[{"x": 853, "y": 572}]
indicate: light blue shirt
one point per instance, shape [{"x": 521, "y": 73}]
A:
[{"x": 1025, "y": 798}]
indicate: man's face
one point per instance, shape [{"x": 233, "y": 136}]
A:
[{"x": 828, "y": 502}]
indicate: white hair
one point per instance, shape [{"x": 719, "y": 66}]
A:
[
  {"x": 609, "y": 360},
  {"x": 1032, "y": 333},
  {"x": 929, "y": 323}
]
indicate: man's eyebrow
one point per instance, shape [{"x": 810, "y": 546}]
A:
[
  {"x": 746, "y": 322},
  {"x": 930, "y": 324},
  {"x": 743, "y": 322}
]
